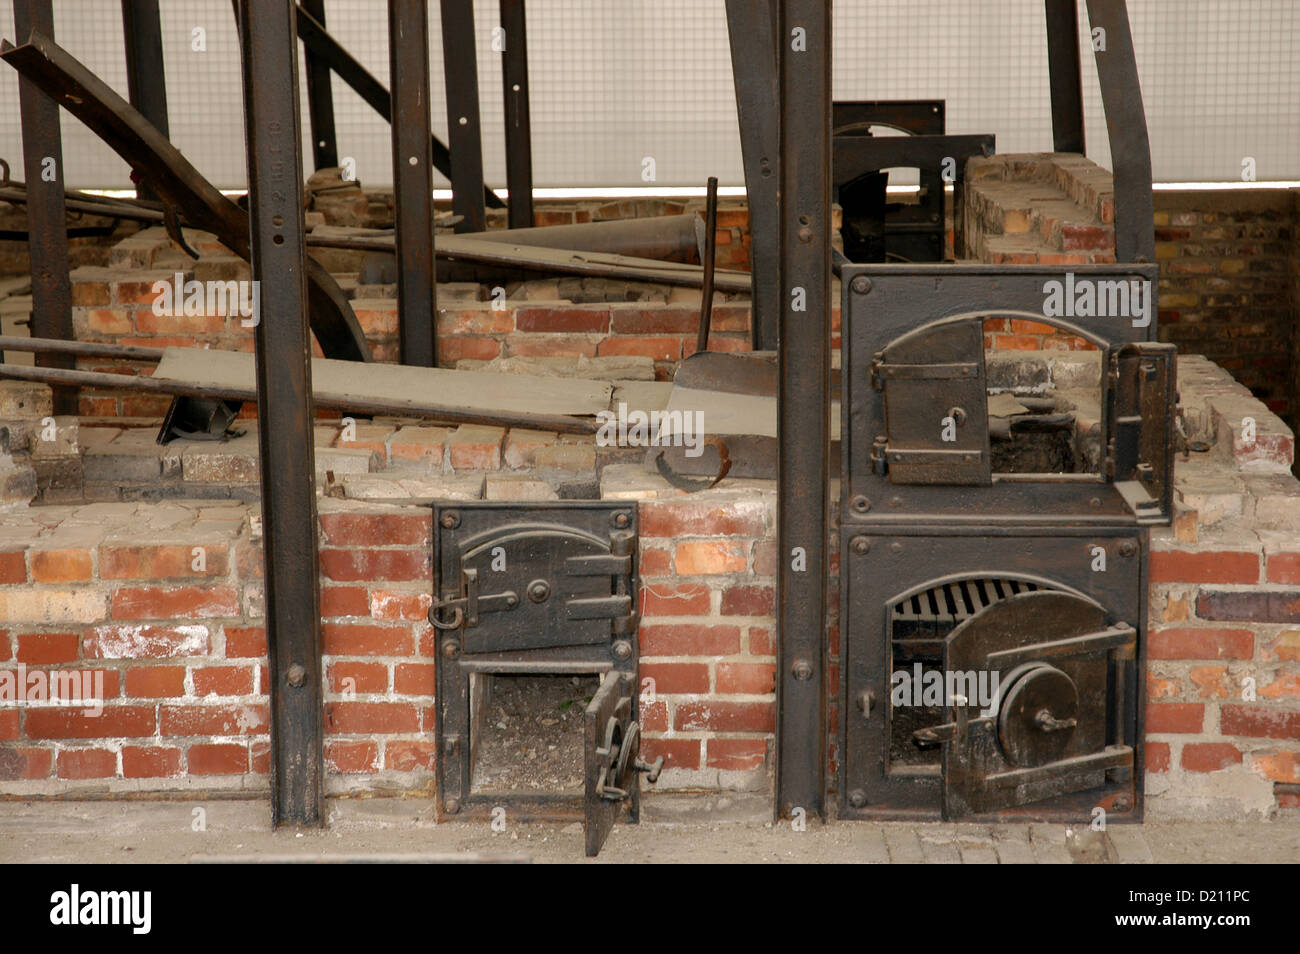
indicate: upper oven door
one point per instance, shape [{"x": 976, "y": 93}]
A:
[{"x": 936, "y": 406}]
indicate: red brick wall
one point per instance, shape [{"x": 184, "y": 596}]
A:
[
  {"x": 1225, "y": 291},
  {"x": 184, "y": 650}
]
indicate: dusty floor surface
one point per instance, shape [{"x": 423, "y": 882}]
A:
[
  {"x": 715, "y": 829},
  {"x": 531, "y": 734}
]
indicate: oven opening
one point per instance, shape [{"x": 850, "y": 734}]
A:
[
  {"x": 1044, "y": 400},
  {"x": 918, "y": 626},
  {"x": 526, "y": 733}
]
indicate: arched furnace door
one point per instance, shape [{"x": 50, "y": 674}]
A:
[{"x": 1053, "y": 724}]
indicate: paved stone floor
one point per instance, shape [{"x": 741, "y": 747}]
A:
[{"x": 674, "y": 829}]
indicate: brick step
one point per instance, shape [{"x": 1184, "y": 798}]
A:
[{"x": 1048, "y": 203}]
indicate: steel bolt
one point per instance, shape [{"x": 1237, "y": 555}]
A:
[
  {"x": 861, "y": 284},
  {"x": 1095, "y": 503},
  {"x": 895, "y": 501},
  {"x": 805, "y": 235},
  {"x": 802, "y": 670},
  {"x": 1127, "y": 548},
  {"x": 450, "y": 520},
  {"x": 621, "y": 519},
  {"x": 895, "y": 547},
  {"x": 296, "y": 675},
  {"x": 451, "y": 648},
  {"x": 538, "y": 591},
  {"x": 857, "y": 798},
  {"x": 860, "y": 504},
  {"x": 452, "y": 806},
  {"x": 1123, "y": 803},
  {"x": 861, "y": 544},
  {"x": 622, "y": 649}
]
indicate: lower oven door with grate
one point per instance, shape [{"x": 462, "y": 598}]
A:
[{"x": 1047, "y": 663}]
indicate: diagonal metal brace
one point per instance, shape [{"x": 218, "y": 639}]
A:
[{"x": 178, "y": 184}]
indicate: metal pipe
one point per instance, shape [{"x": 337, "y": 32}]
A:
[
  {"x": 284, "y": 411},
  {"x": 710, "y": 254},
  {"x": 84, "y": 349},
  {"x": 464, "y": 136},
  {"x": 46, "y": 212},
  {"x": 803, "y": 404},
  {"x": 408, "y": 58},
  {"x": 669, "y": 238},
  {"x": 519, "y": 145},
  {"x": 1064, "y": 76},
  {"x": 519, "y": 261}
]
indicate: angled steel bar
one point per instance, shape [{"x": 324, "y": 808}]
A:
[
  {"x": 464, "y": 135},
  {"x": 146, "y": 77},
  {"x": 751, "y": 25},
  {"x": 320, "y": 99},
  {"x": 710, "y": 254},
  {"x": 414, "y": 407},
  {"x": 46, "y": 209},
  {"x": 408, "y": 59},
  {"x": 1126, "y": 126},
  {"x": 177, "y": 182},
  {"x": 284, "y": 411},
  {"x": 519, "y": 143},
  {"x": 1064, "y": 77},
  {"x": 804, "y": 405},
  {"x": 325, "y": 48}
]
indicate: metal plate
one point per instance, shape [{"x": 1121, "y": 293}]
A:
[{"x": 607, "y": 727}]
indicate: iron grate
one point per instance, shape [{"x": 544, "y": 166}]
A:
[{"x": 957, "y": 601}]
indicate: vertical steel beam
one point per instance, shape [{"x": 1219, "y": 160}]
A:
[
  {"x": 519, "y": 141},
  {"x": 46, "y": 208},
  {"x": 320, "y": 99},
  {"x": 1126, "y": 127},
  {"x": 408, "y": 67},
  {"x": 1064, "y": 77},
  {"x": 284, "y": 409},
  {"x": 804, "y": 408},
  {"x": 464, "y": 133},
  {"x": 145, "y": 75},
  {"x": 752, "y": 28}
]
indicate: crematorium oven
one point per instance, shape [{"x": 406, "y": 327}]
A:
[{"x": 994, "y": 545}]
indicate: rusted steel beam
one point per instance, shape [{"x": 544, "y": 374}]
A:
[
  {"x": 320, "y": 44},
  {"x": 803, "y": 404},
  {"x": 84, "y": 349},
  {"x": 1126, "y": 125},
  {"x": 751, "y": 26},
  {"x": 464, "y": 128},
  {"x": 1063, "y": 75},
  {"x": 46, "y": 211},
  {"x": 146, "y": 78},
  {"x": 180, "y": 186},
  {"x": 284, "y": 412},
  {"x": 408, "y": 58},
  {"x": 519, "y": 143},
  {"x": 669, "y": 238},
  {"x": 320, "y": 99}
]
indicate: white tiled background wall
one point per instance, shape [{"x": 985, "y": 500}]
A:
[{"x": 616, "y": 80}]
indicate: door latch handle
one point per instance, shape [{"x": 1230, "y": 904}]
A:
[{"x": 464, "y": 609}]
